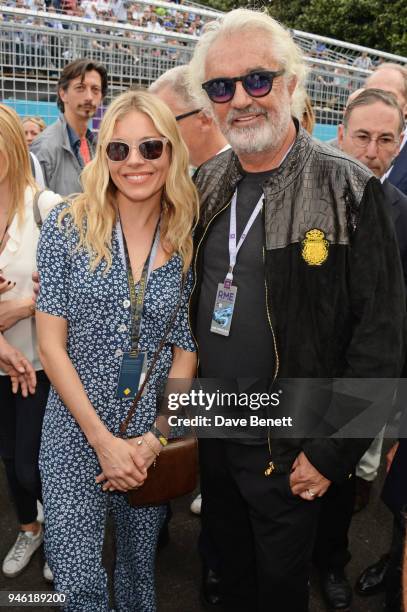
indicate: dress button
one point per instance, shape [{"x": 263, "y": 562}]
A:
[
  {"x": 126, "y": 303},
  {"x": 122, "y": 327},
  {"x": 118, "y": 353}
]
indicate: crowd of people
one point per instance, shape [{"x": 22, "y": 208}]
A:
[
  {"x": 119, "y": 270},
  {"x": 45, "y": 49},
  {"x": 132, "y": 53},
  {"x": 156, "y": 19}
]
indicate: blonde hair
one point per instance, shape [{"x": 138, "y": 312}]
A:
[
  {"x": 94, "y": 213},
  {"x": 17, "y": 166},
  {"x": 37, "y": 121},
  {"x": 307, "y": 119},
  {"x": 287, "y": 53}
]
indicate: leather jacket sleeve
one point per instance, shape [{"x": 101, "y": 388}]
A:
[{"x": 376, "y": 348}]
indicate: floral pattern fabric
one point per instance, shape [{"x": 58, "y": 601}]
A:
[{"x": 96, "y": 305}]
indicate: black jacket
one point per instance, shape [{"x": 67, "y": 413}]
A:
[
  {"x": 394, "y": 492},
  {"x": 336, "y": 308},
  {"x": 398, "y": 211},
  {"x": 398, "y": 174}
]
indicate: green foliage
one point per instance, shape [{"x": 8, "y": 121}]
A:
[
  {"x": 371, "y": 23},
  {"x": 288, "y": 11},
  {"x": 225, "y": 5}
]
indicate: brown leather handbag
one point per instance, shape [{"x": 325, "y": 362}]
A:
[
  {"x": 175, "y": 471},
  {"x": 175, "y": 474}
]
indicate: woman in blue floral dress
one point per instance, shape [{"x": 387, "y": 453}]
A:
[{"x": 132, "y": 222}]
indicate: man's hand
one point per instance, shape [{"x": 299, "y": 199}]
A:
[
  {"x": 306, "y": 481},
  {"x": 20, "y": 370}
]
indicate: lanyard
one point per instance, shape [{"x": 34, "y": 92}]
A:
[
  {"x": 233, "y": 248},
  {"x": 137, "y": 300}
]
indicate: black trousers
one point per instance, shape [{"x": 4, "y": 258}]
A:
[
  {"x": 263, "y": 533},
  {"x": 20, "y": 435},
  {"x": 393, "y": 579},
  {"x": 331, "y": 545}
]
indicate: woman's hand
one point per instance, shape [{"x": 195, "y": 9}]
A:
[
  {"x": 20, "y": 370},
  {"x": 147, "y": 448},
  {"x": 5, "y": 285},
  {"x": 123, "y": 464},
  {"x": 12, "y": 311}
]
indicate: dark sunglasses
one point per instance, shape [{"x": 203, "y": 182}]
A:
[
  {"x": 119, "y": 150},
  {"x": 257, "y": 84},
  {"x": 188, "y": 114}
]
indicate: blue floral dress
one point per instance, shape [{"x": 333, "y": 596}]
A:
[{"x": 97, "y": 308}]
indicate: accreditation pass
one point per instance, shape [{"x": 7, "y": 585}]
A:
[{"x": 223, "y": 309}]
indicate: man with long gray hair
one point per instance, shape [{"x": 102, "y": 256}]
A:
[{"x": 296, "y": 251}]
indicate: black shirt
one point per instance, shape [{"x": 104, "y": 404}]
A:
[{"x": 248, "y": 350}]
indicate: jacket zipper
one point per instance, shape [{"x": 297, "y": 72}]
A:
[
  {"x": 271, "y": 467},
  {"x": 195, "y": 277}
]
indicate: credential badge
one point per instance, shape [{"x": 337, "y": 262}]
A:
[{"x": 315, "y": 247}]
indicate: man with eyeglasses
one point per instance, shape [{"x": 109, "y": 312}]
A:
[
  {"x": 372, "y": 132},
  {"x": 198, "y": 128},
  {"x": 393, "y": 79},
  {"x": 295, "y": 250}
]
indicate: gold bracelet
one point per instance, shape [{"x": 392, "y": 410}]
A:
[{"x": 149, "y": 446}]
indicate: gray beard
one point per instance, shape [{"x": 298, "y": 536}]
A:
[{"x": 249, "y": 140}]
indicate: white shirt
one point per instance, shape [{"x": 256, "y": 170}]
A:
[
  {"x": 18, "y": 261},
  {"x": 38, "y": 173},
  {"x": 155, "y": 27}
]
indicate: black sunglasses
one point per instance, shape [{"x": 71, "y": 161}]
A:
[
  {"x": 257, "y": 84},
  {"x": 119, "y": 150},
  {"x": 188, "y": 114}
]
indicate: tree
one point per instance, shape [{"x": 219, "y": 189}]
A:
[{"x": 370, "y": 23}]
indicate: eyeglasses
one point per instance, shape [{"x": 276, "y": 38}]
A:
[
  {"x": 257, "y": 84},
  {"x": 188, "y": 114},
  {"x": 386, "y": 143},
  {"x": 119, "y": 150}
]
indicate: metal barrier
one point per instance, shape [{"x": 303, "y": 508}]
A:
[
  {"x": 32, "y": 55},
  {"x": 34, "y": 46}
]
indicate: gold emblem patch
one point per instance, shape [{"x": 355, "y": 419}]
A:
[
  {"x": 127, "y": 391},
  {"x": 315, "y": 247}
]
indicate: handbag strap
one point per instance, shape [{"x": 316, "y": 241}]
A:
[{"x": 125, "y": 423}]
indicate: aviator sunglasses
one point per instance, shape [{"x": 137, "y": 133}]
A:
[
  {"x": 119, "y": 150},
  {"x": 257, "y": 84}
]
